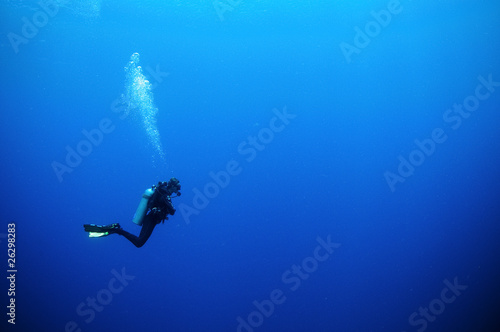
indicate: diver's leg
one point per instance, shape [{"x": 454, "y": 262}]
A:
[
  {"x": 131, "y": 237},
  {"x": 138, "y": 241}
]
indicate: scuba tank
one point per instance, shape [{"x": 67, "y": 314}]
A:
[{"x": 143, "y": 207}]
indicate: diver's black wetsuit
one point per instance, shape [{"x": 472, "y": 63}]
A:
[
  {"x": 159, "y": 207},
  {"x": 148, "y": 225}
]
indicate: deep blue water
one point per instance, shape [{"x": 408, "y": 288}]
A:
[{"x": 338, "y": 162}]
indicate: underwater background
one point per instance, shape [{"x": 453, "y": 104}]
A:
[{"x": 338, "y": 162}]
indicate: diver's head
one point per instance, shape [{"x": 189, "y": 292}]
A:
[
  {"x": 170, "y": 187},
  {"x": 160, "y": 203}
]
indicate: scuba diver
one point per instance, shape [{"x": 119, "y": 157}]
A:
[{"x": 155, "y": 206}]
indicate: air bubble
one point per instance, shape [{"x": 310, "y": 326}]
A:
[{"x": 141, "y": 102}]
